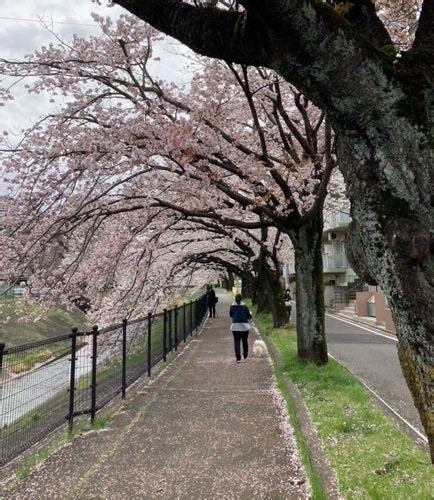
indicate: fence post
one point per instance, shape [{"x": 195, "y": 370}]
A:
[
  {"x": 2, "y": 348},
  {"x": 169, "y": 312},
  {"x": 191, "y": 318},
  {"x": 124, "y": 357},
  {"x": 184, "y": 323},
  {"x": 149, "y": 342},
  {"x": 199, "y": 312},
  {"x": 72, "y": 379},
  {"x": 175, "y": 317},
  {"x": 94, "y": 356},
  {"x": 196, "y": 314},
  {"x": 164, "y": 333}
]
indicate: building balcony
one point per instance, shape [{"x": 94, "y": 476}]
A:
[
  {"x": 336, "y": 221},
  {"x": 331, "y": 265},
  {"x": 334, "y": 264}
]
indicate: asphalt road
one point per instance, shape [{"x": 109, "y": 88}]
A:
[
  {"x": 24, "y": 393},
  {"x": 373, "y": 358}
]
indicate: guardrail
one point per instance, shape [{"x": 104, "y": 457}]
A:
[{"x": 48, "y": 383}]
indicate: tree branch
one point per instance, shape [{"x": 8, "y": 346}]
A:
[
  {"x": 228, "y": 35},
  {"x": 424, "y": 38}
]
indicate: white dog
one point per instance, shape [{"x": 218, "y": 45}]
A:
[{"x": 259, "y": 348}]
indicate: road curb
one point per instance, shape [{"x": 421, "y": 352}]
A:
[
  {"x": 358, "y": 322},
  {"x": 317, "y": 456}
]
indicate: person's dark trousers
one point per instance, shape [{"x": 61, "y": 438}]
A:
[
  {"x": 241, "y": 337},
  {"x": 211, "y": 308},
  {"x": 288, "y": 308}
]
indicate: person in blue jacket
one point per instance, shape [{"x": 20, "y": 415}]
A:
[{"x": 240, "y": 327}]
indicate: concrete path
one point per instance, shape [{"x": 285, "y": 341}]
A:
[{"x": 205, "y": 428}]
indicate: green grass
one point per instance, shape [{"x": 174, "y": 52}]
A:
[
  {"x": 372, "y": 457},
  {"x": 317, "y": 487},
  {"x": 29, "y": 463},
  {"x": 188, "y": 296},
  {"x": 265, "y": 324},
  {"x": 19, "y": 325}
]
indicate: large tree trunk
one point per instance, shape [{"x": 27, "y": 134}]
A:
[
  {"x": 269, "y": 295},
  {"x": 390, "y": 241},
  {"x": 278, "y": 309},
  {"x": 311, "y": 340},
  {"x": 228, "y": 282},
  {"x": 247, "y": 285},
  {"x": 384, "y": 119},
  {"x": 255, "y": 294}
]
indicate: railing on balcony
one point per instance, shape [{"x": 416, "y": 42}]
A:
[
  {"x": 337, "y": 261},
  {"x": 337, "y": 219},
  {"x": 345, "y": 294}
]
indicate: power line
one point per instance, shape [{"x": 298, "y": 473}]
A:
[{"x": 29, "y": 20}]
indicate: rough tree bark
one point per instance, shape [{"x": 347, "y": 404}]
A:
[
  {"x": 307, "y": 241},
  {"x": 384, "y": 119},
  {"x": 229, "y": 282},
  {"x": 248, "y": 285},
  {"x": 269, "y": 293},
  {"x": 393, "y": 232},
  {"x": 278, "y": 309}
]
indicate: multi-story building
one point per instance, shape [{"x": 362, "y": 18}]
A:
[
  {"x": 338, "y": 275},
  {"x": 343, "y": 290},
  {"x": 337, "y": 272}
]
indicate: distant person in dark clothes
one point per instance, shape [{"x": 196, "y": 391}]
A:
[
  {"x": 211, "y": 300},
  {"x": 240, "y": 327},
  {"x": 287, "y": 299}
]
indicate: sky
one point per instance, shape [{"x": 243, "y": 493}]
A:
[{"x": 22, "y": 32}]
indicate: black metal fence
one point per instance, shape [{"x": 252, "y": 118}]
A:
[
  {"x": 48, "y": 383},
  {"x": 11, "y": 294}
]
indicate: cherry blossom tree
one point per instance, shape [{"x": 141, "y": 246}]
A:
[
  {"x": 125, "y": 142},
  {"x": 260, "y": 253},
  {"x": 371, "y": 71}
]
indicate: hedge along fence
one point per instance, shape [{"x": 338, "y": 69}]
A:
[{"x": 83, "y": 372}]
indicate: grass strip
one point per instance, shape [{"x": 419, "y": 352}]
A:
[
  {"x": 318, "y": 488},
  {"x": 22, "y": 322},
  {"x": 371, "y": 455}
]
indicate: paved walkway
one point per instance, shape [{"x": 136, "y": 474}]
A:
[{"x": 205, "y": 428}]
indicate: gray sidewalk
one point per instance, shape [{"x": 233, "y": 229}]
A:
[{"x": 207, "y": 427}]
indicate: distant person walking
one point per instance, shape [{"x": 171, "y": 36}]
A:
[
  {"x": 211, "y": 300},
  {"x": 240, "y": 327},
  {"x": 287, "y": 299}
]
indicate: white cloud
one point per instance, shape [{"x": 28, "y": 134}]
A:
[{"x": 21, "y": 33}]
